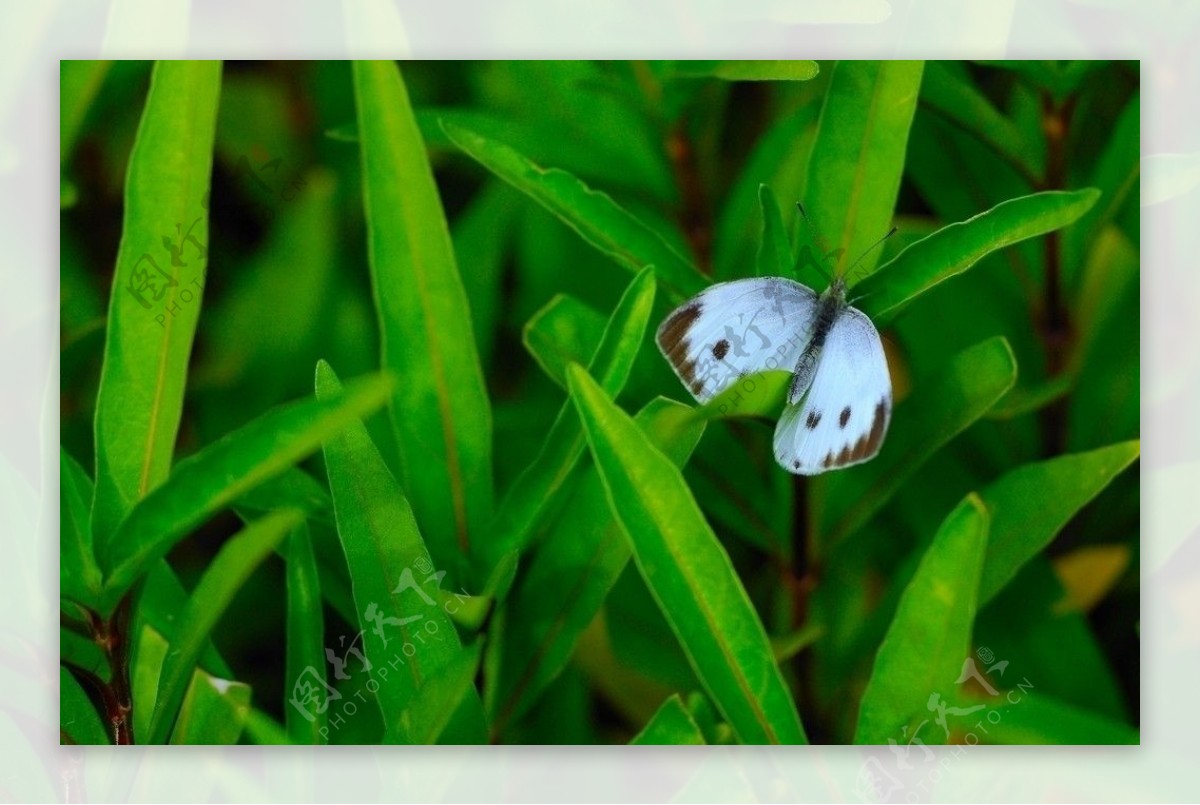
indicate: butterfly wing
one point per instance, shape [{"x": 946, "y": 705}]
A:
[
  {"x": 843, "y": 418},
  {"x": 737, "y": 328}
]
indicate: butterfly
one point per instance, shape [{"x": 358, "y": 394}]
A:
[{"x": 839, "y": 401}]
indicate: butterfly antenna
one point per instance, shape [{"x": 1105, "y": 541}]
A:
[
  {"x": 870, "y": 249},
  {"x": 820, "y": 243}
]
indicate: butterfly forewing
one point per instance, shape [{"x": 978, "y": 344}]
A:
[
  {"x": 737, "y": 328},
  {"x": 844, "y": 417}
]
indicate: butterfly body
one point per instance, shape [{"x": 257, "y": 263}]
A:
[{"x": 839, "y": 399}]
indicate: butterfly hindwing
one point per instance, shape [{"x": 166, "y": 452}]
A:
[
  {"x": 737, "y": 328},
  {"x": 843, "y": 418}
]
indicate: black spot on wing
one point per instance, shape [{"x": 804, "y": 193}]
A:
[
  {"x": 814, "y": 419},
  {"x": 845, "y": 417},
  {"x": 721, "y": 349}
]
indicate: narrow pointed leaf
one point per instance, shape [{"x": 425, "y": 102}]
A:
[
  {"x": 77, "y": 716},
  {"x": 156, "y": 290},
  {"x": 305, "y": 638},
  {"x": 428, "y": 715},
  {"x": 571, "y": 574},
  {"x": 440, "y": 413},
  {"x": 953, "y": 249},
  {"x": 214, "y": 711},
  {"x": 930, "y": 636},
  {"x": 394, "y": 583},
  {"x": 774, "y": 250},
  {"x": 231, "y": 568},
  {"x": 80, "y": 573},
  {"x": 595, "y": 216},
  {"x": 561, "y": 332},
  {"x": 213, "y": 478},
  {"x": 858, "y": 156},
  {"x": 1031, "y": 504},
  {"x": 79, "y": 83},
  {"x": 671, "y": 725},
  {"x": 537, "y": 489},
  {"x": 688, "y": 571}
]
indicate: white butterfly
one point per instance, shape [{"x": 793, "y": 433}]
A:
[{"x": 840, "y": 399}]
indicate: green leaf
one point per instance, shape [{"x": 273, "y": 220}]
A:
[
  {"x": 80, "y": 574},
  {"x": 774, "y": 252},
  {"x": 263, "y": 730},
  {"x": 1029, "y": 506},
  {"x": 77, "y": 717},
  {"x": 214, "y": 711},
  {"x": 226, "y": 574},
  {"x": 571, "y": 574},
  {"x": 956, "y": 98},
  {"x": 937, "y": 411},
  {"x": 858, "y": 156},
  {"x": 595, "y": 216},
  {"x": 745, "y": 70},
  {"x": 1034, "y": 718},
  {"x": 955, "y": 248},
  {"x": 1115, "y": 176},
  {"x": 393, "y": 580},
  {"x": 441, "y": 695},
  {"x": 560, "y": 332},
  {"x": 305, "y": 639},
  {"x": 930, "y": 637},
  {"x": 440, "y": 413},
  {"x": 688, "y": 572},
  {"x": 213, "y": 478},
  {"x": 537, "y": 490},
  {"x": 671, "y": 725},
  {"x": 149, "y": 339},
  {"x": 79, "y": 82}
]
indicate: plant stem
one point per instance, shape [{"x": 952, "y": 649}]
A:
[
  {"x": 1056, "y": 324},
  {"x": 693, "y": 215},
  {"x": 112, "y": 636}
]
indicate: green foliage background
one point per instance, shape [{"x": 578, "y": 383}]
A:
[{"x": 357, "y": 361}]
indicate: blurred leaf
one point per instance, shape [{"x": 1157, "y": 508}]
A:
[
  {"x": 671, "y": 725},
  {"x": 79, "y": 82},
  {"x": 595, "y": 216},
  {"x": 77, "y": 715},
  {"x": 305, "y": 638},
  {"x": 148, "y": 655},
  {"x": 930, "y": 636},
  {"x": 441, "y": 695},
  {"x": 483, "y": 237},
  {"x": 956, "y": 97},
  {"x": 1031, "y": 504},
  {"x": 231, "y": 568},
  {"x": 571, "y": 574},
  {"x": 1059, "y": 78},
  {"x": 1116, "y": 177},
  {"x": 688, "y": 571},
  {"x": 938, "y": 410},
  {"x": 210, "y": 480},
  {"x": 955, "y": 248},
  {"x": 155, "y": 300},
  {"x": 383, "y": 546},
  {"x": 745, "y": 70},
  {"x": 292, "y": 489},
  {"x": 79, "y": 575},
  {"x": 213, "y": 712},
  {"x": 1037, "y": 719},
  {"x": 1022, "y": 400},
  {"x": 780, "y": 160},
  {"x": 774, "y": 250},
  {"x": 788, "y": 646},
  {"x": 160, "y": 600},
  {"x": 858, "y": 156},
  {"x": 1026, "y": 623},
  {"x": 537, "y": 490},
  {"x": 440, "y": 413},
  {"x": 561, "y": 332},
  {"x": 263, "y": 730}
]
